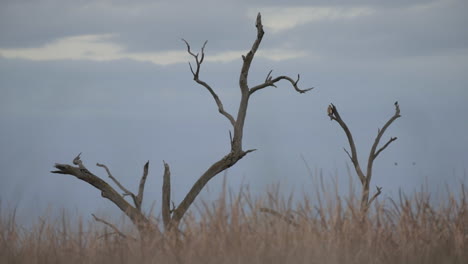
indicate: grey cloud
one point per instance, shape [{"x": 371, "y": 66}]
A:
[
  {"x": 150, "y": 26},
  {"x": 142, "y": 27},
  {"x": 388, "y": 33}
]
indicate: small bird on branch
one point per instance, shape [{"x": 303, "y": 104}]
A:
[{"x": 330, "y": 111}]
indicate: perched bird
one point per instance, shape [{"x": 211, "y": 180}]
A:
[
  {"x": 396, "y": 103},
  {"x": 330, "y": 111}
]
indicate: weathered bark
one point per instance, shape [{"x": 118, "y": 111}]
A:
[
  {"x": 365, "y": 178},
  {"x": 166, "y": 196},
  {"x": 133, "y": 212}
]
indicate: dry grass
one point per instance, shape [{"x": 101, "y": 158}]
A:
[{"x": 235, "y": 229}]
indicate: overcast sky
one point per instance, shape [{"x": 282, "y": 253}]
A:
[{"x": 110, "y": 79}]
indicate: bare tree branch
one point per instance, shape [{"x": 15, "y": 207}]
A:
[
  {"x": 141, "y": 188},
  {"x": 172, "y": 217},
  {"x": 219, "y": 166},
  {"x": 365, "y": 178},
  {"x": 271, "y": 82},
  {"x": 204, "y": 84},
  {"x": 249, "y": 57},
  {"x": 335, "y": 115},
  {"x": 125, "y": 190},
  {"x": 373, "y": 154},
  {"x": 236, "y": 152},
  {"x": 139, "y": 220},
  {"x": 166, "y": 196},
  {"x": 385, "y": 146}
]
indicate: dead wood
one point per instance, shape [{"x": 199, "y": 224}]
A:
[
  {"x": 172, "y": 217},
  {"x": 364, "y": 178}
]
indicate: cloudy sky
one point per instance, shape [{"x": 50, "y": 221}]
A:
[{"x": 110, "y": 79}]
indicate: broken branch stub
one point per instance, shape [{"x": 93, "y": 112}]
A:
[{"x": 365, "y": 178}]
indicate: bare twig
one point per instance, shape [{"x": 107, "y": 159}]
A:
[
  {"x": 124, "y": 190},
  {"x": 347, "y": 152},
  {"x": 385, "y": 146}
]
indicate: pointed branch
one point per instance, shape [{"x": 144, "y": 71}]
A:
[
  {"x": 196, "y": 78},
  {"x": 141, "y": 188},
  {"x": 250, "y": 55},
  {"x": 268, "y": 78},
  {"x": 166, "y": 196}
]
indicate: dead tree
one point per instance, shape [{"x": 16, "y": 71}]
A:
[
  {"x": 172, "y": 217},
  {"x": 374, "y": 152}
]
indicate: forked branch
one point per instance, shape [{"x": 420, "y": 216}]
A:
[
  {"x": 269, "y": 81},
  {"x": 81, "y": 172},
  {"x": 172, "y": 217},
  {"x": 196, "y": 73},
  {"x": 237, "y": 151},
  {"x": 365, "y": 179}
]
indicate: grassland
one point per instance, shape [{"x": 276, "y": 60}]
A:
[{"x": 237, "y": 228}]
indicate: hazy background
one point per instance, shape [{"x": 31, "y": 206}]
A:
[{"x": 110, "y": 79}]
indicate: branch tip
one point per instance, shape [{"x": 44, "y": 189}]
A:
[{"x": 77, "y": 160}]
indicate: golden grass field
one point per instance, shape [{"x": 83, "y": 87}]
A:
[{"x": 236, "y": 228}]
